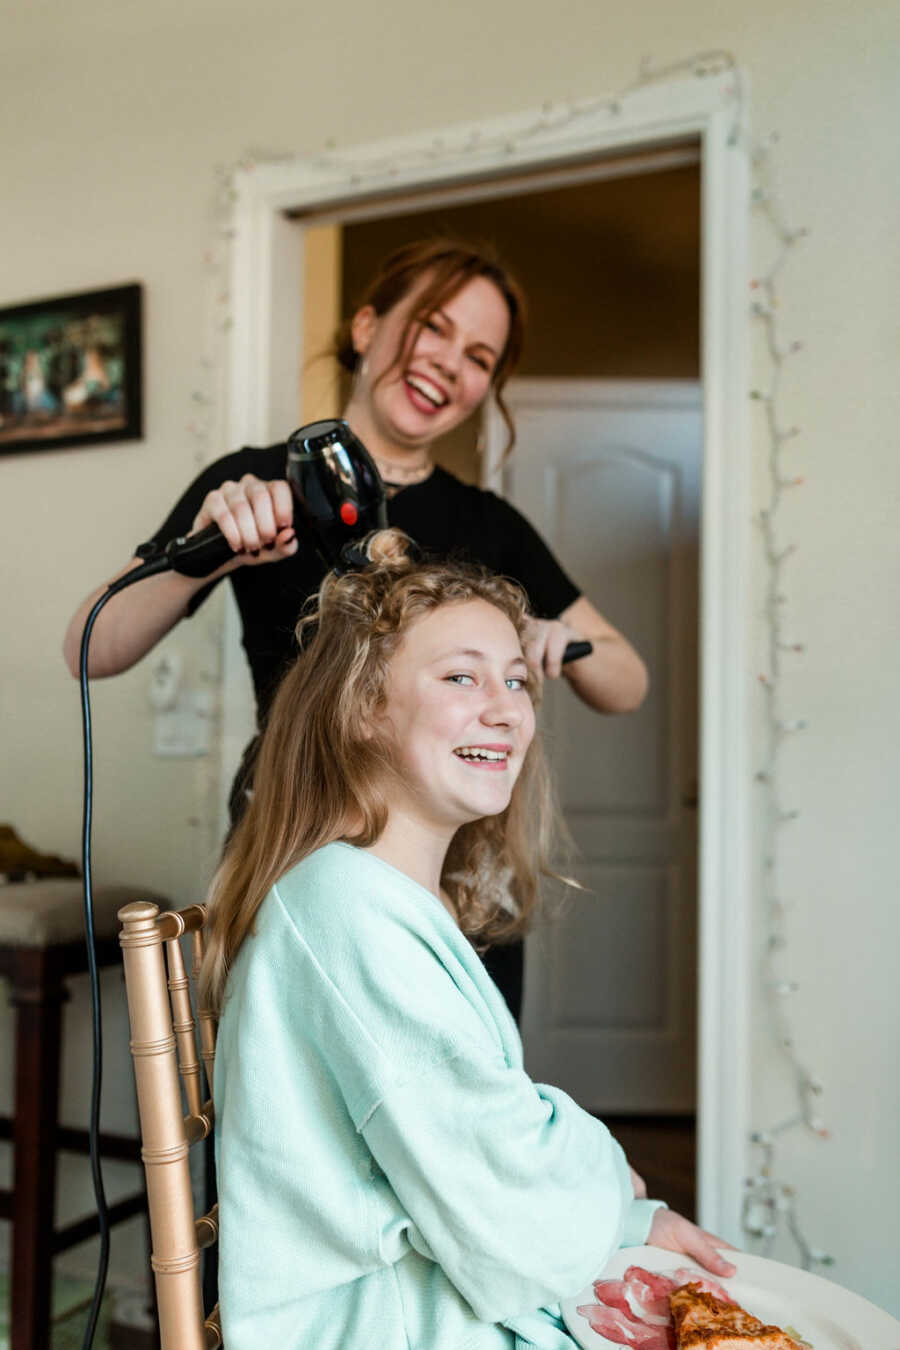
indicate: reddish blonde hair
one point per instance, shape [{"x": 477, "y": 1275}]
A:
[{"x": 449, "y": 264}]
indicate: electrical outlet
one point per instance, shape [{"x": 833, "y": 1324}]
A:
[{"x": 183, "y": 732}]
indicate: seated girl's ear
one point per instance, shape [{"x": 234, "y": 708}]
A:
[{"x": 376, "y": 722}]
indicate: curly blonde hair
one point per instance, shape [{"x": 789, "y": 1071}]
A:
[{"x": 321, "y": 770}]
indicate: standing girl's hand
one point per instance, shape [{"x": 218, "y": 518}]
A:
[
  {"x": 545, "y": 643},
  {"x": 256, "y": 517},
  {"x": 677, "y": 1234}
]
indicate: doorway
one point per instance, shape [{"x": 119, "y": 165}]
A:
[{"x": 266, "y": 350}]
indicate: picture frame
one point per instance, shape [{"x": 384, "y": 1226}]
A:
[{"x": 70, "y": 370}]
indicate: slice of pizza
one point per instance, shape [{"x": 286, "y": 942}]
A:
[{"x": 704, "y": 1322}]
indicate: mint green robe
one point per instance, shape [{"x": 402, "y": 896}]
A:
[{"x": 389, "y": 1176}]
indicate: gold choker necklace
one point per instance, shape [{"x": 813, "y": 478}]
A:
[{"x": 399, "y": 475}]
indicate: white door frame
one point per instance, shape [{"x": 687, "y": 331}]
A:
[{"x": 265, "y": 358}]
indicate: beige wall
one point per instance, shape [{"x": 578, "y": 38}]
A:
[{"x": 114, "y": 117}]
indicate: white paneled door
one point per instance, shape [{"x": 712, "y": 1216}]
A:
[{"x": 610, "y": 475}]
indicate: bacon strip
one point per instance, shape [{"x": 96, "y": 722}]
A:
[
  {"x": 611, "y": 1293},
  {"x": 634, "y": 1311},
  {"x": 623, "y": 1330},
  {"x": 647, "y": 1294}
]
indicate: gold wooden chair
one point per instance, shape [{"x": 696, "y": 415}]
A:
[{"x": 164, "y": 1048}]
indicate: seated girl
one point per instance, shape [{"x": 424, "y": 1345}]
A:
[{"x": 389, "y": 1176}]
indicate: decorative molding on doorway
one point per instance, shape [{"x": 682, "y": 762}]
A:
[{"x": 265, "y": 356}]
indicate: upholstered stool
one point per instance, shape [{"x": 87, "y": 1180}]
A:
[{"x": 41, "y": 944}]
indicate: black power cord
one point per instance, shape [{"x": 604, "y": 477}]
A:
[{"x": 136, "y": 574}]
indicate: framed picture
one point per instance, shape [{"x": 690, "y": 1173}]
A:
[{"x": 70, "y": 370}]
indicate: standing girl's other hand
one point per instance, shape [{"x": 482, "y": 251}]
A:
[
  {"x": 256, "y": 517},
  {"x": 677, "y": 1234},
  {"x": 545, "y": 644}
]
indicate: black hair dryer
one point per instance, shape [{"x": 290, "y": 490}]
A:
[
  {"x": 337, "y": 488},
  {"x": 338, "y": 496}
]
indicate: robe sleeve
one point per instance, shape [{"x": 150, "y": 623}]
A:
[{"x": 516, "y": 1192}]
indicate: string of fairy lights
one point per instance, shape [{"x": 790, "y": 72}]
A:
[
  {"x": 206, "y": 429},
  {"x": 770, "y": 1204}
]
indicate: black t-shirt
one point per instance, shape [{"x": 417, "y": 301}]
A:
[{"x": 447, "y": 517}]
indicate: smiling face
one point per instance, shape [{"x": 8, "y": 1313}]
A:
[
  {"x": 444, "y": 370},
  {"x": 459, "y": 716}
]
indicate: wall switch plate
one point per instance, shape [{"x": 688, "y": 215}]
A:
[{"x": 183, "y": 732}]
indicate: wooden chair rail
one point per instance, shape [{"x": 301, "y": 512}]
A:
[
  {"x": 76, "y": 1232},
  {"x": 200, "y": 1126},
  {"x": 64, "y": 1238},
  {"x": 122, "y": 1147},
  {"x": 207, "y": 1228},
  {"x": 174, "y": 923},
  {"x": 212, "y": 1329}
]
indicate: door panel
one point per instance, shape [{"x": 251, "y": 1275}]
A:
[{"x": 609, "y": 473}]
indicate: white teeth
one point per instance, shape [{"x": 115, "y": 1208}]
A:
[
  {"x": 476, "y": 752},
  {"x": 429, "y": 390}
]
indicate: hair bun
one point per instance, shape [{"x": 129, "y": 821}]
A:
[{"x": 390, "y": 547}]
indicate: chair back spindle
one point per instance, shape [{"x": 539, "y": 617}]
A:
[
  {"x": 164, "y": 1050},
  {"x": 183, "y": 1026},
  {"x": 204, "y": 1016}
]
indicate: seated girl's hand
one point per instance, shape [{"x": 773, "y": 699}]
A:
[
  {"x": 677, "y": 1234},
  {"x": 256, "y": 517},
  {"x": 545, "y": 644}
]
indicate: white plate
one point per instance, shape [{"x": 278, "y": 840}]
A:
[{"x": 830, "y": 1317}]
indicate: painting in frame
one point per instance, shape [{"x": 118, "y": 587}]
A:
[{"x": 70, "y": 370}]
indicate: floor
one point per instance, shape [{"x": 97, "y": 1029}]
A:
[{"x": 663, "y": 1149}]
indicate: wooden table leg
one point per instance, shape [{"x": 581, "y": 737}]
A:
[{"x": 37, "y": 994}]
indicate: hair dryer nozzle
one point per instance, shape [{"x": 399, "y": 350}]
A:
[{"x": 337, "y": 488}]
